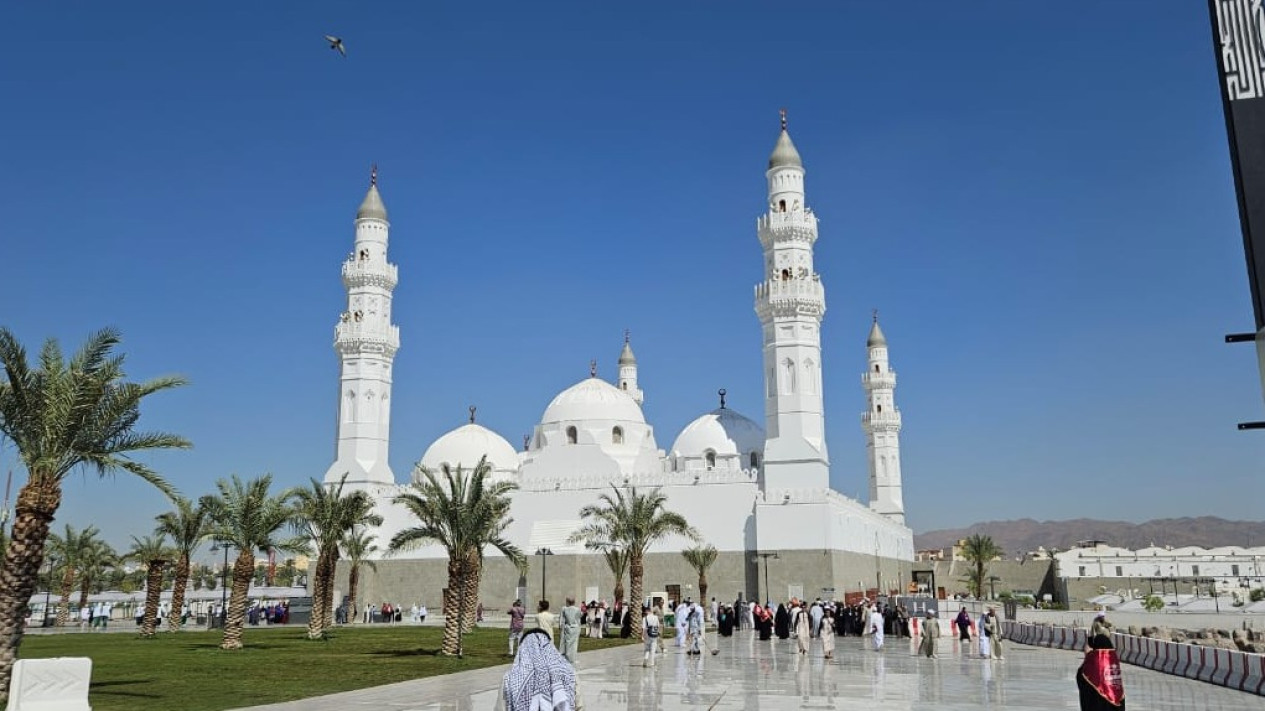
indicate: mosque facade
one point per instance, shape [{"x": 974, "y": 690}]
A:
[{"x": 759, "y": 493}]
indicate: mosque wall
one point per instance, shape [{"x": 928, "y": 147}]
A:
[{"x": 802, "y": 573}]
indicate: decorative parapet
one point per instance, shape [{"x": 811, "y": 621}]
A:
[
  {"x": 359, "y": 272},
  {"x": 885, "y": 421},
  {"x": 874, "y": 381},
  {"x": 796, "y": 225},
  {"x": 352, "y": 337},
  {"x": 647, "y": 479},
  {"x": 790, "y": 297}
]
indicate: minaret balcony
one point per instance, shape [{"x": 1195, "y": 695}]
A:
[
  {"x": 790, "y": 298},
  {"x": 877, "y": 381},
  {"x": 363, "y": 272},
  {"x": 797, "y": 225},
  {"x": 351, "y": 334},
  {"x": 881, "y": 420}
]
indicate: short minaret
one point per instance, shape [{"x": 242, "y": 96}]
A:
[
  {"x": 628, "y": 372},
  {"x": 366, "y": 342},
  {"x": 791, "y": 303},
  {"x": 881, "y": 422}
]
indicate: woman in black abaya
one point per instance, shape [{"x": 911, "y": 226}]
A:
[{"x": 782, "y": 622}]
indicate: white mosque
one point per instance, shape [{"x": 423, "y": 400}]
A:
[{"x": 761, "y": 495}]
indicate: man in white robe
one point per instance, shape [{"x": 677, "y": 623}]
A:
[
  {"x": 876, "y": 628},
  {"x": 682, "y": 614}
]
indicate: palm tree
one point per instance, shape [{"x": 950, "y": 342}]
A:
[
  {"x": 247, "y": 517},
  {"x": 617, "y": 561},
  {"x": 62, "y": 416},
  {"x": 357, "y": 546},
  {"x": 633, "y": 522},
  {"x": 95, "y": 562},
  {"x": 186, "y": 525},
  {"x": 700, "y": 559},
  {"x": 154, "y": 554},
  {"x": 979, "y": 550},
  {"x": 465, "y": 514},
  {"x": 326, "y": 516},
  {"x": 66, "y": 551}
]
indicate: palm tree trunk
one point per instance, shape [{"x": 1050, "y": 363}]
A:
[
  {"x": 451, "y": 596},
  {"x": 702, "y": 595},
  {"x": 177, "y": 593},
  {"x": 328, "y": 603},
  {"x": 243, "y": 573},
  {"x": 36, "y": 505},
  {"x": 353, "y": 582},
  {"x": 470, "y": 590},
  {"x": 63, "y": 605},
  {"x": 153, "y": 594},
  {"x": 619, "y": 589},
  {"x": 635, "y": 572},
  {"x": 316, "y": 624},
  {"x": 84, "y": 585}
]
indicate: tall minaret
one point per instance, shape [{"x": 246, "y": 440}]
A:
[
  {"x": 881, "y": 422},
  {"x": 366, "y": 342},
  {"x": 628, "y": 372},
  {"x": 790, "y": 303}
]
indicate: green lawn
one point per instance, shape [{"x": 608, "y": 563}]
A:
[{"x": 188, "y": 670}]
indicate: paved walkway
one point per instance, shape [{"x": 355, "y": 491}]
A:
[{"x": 750, "y": 675}]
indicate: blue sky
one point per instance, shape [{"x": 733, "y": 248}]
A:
[{"x": 1036, "y": 195}]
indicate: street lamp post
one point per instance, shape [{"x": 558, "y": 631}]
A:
[
  {"x": 992, "y": 587},
  {"x": 543, "y": 553},
  {"x": 48, "y": 591},
  {"x": 766, "y": 557},
  {"x": 223, "y": 582}
]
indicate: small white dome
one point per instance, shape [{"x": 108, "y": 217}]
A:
[
  {"x": 592, "y": 399},
  {"x": 464, "y": 447},
  {"x": 722, "y": 431}
]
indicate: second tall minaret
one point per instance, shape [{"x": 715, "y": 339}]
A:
[
  {"x": 366, "y": 342},
  {"x": 791, "y": 303},
  {"x": 881, "y": 422}
]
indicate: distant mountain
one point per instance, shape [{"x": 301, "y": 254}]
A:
[{"x": 1027, "y": 534}]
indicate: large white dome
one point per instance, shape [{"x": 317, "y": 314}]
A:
[
  {"x": 464, "y": 447},
  {"x": 592, "y": 399},
  {"x": 722, "y": 431}
]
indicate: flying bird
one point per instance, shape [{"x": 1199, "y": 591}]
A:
[{"x": 336, "y": 43}]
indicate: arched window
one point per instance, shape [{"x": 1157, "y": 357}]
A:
[
  {"x": 617, "y": 435},
  {"x": 786, "y": 275},
  {"x": 571, "y": 435},
  {"x": 876, "y": 368},
  {"x": 755, "y": 460},
  {"x": 711, "y": 459},
  {"x": 880, "y": 409},
  {"x": 781, "y": 206},
  {"x": 789, "y": 366}
]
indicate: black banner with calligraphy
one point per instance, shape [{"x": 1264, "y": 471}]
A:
[{"x": 1238, "y": 35}]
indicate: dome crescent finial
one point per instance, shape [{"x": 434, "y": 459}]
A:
[
  {"x": 722, "y": 393},
  {"x": 373, "y": 175},
  {"x": 472, "y": 409},
  {"x": 782, "y": 113},
  {"x": 593, "y": 368}
]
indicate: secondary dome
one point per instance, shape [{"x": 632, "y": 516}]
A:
[
  {"x": 465, "y": 445},
  {"x": 592, "y": 399},
  {"x": 722, "y": 431}
]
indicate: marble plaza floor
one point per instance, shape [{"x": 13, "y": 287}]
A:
[{"x": 750, "y": 675}]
